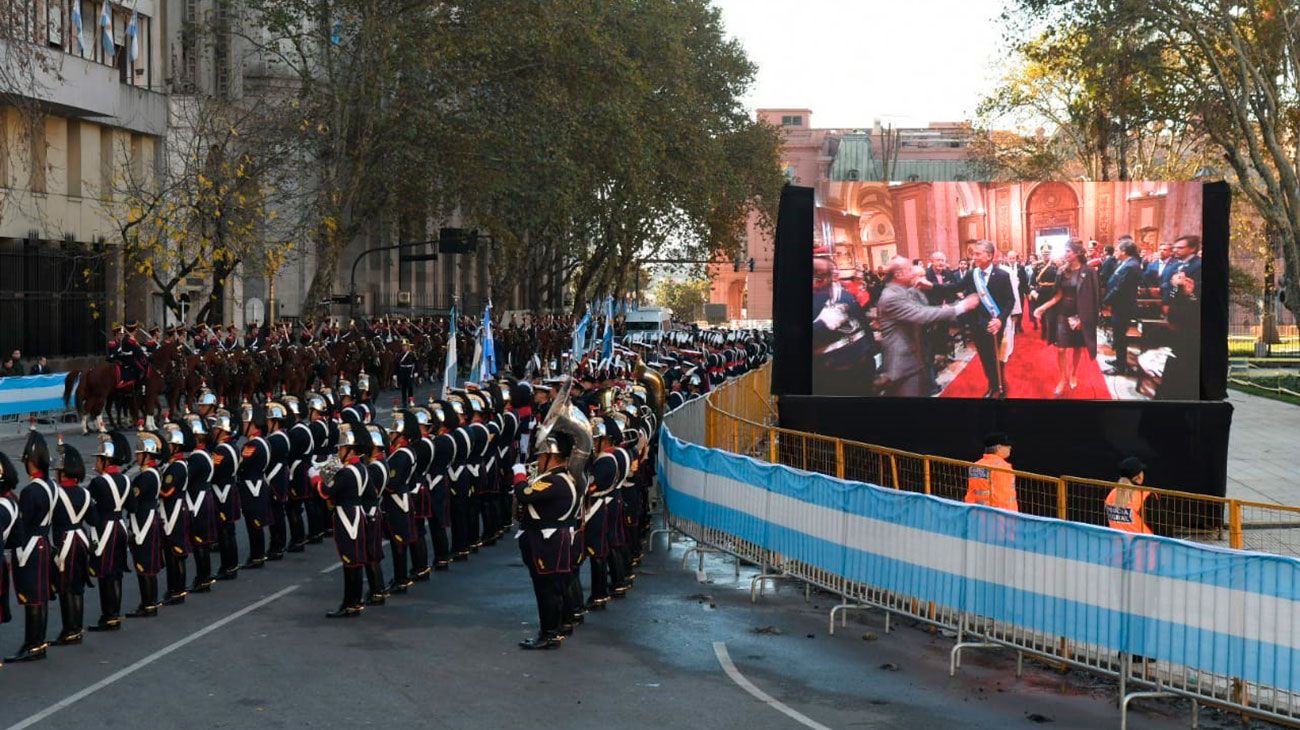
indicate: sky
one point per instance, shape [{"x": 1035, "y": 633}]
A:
[{"x": 905, "y": 62}]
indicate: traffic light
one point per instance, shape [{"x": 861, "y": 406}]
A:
[{"x": 751, "y": 264}]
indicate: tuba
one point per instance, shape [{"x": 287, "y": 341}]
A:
[
  {"x": 564, "y": 417},
  {"x": 329, "y": 468},
  {"x": 653, "y": 381}
]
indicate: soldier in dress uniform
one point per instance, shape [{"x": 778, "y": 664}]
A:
[
  {"x": 421, "y": 445},
  {"x": 363, "y": 402},
  {"x": 278, "y": 419},
  {"x": 254, "y": 494},
  {"x": 398, "y": 520},
  {"x": 109, "y": 490},
  {"x": 205, "y": 526},
  {"x": 444, "y": 456},
  {"x": 325, "y": 438},
  {"x": 607, "y": 471},
  {"x": 479, "y": 466},
  {"x": 142, "y": 511},
  {"x": 342, "y": 484},
  {"x": 31, "y": 555},
  {"x": 8, "y": 525},
  {"x": 70, "y": 545},
  {"x": 225, "y": 471},
  {"x": 301, "y": 445},
  {"x": 175, "y": 514},
  {"x": 546, "y": 504},
  {"x": 461, "y": 486},
  {"x": 372, "y": 500},
  {"x": 406, "y": 371}
]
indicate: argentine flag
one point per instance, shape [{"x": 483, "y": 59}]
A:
[
  {"x": 607, "y": 342},
  {"x": 488, "y": 363},
  {"x": 580, "y": 337},
  {"x": 76, "y": 28},
  {"x": 106, "y": 30},
  {"x": 449, "y": 369},
  {"x": 133, "y": 41}
]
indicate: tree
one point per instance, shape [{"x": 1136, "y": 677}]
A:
[
  {"x": 686, "y": 298},
  {"x": 1231, "y": 70}
]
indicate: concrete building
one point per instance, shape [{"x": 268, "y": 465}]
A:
[
  {"x": 84, "y": 111},
  {"x": 810, "y": 156}
]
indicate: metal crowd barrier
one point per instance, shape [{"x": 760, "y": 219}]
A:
[
  {"x": 1165, "y": 617},
  {"x": 24, "y": 398}
]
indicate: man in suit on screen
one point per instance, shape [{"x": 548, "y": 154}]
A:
[{"x": 987, "y": 322}]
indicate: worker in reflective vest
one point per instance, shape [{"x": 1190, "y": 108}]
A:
[
  {"x": 989, "y": 481},
  {"x": 1124, "y": 504}
]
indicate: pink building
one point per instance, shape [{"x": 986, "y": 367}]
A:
[{"x": 812, "y": 156}]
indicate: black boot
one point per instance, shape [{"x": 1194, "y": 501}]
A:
[
  {"x": 541, "y": 641},
  {"x": 72, "y": 610},
  {"x": 148, "y": 607},
  {"x": 110, "y": 605},
  {"x": 351, "y": 605},
  {"x": 375, "y": 577},
  {"x": 203, "y": 579},
  {"x": 34, "y": 644},
  {"x": 176, "y": 589}
]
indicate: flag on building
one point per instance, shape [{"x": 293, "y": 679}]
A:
[
  {"x": 133, "y": 41},
  {"x": 106, "y": 30},
  {"x": 449, "y": 369},
  {"x": 77, "y": 27}
]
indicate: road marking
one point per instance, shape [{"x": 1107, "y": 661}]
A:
[
  {"x": 720, "y": 649},
  {"x": 332, "y": 568},
  {"x": 106, "y": 681}
]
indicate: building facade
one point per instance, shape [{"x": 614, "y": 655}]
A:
[
  {"x": 85, "y": 109},
  {"x": 810, "y": 156}
]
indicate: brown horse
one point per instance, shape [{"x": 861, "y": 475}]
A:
[{"x": 97, "y": 392}]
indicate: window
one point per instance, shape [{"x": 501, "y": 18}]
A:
[
  {"x": 792, "y": 120},
  {"x": 38, "y": 149},
  {"x": 74, "y": 158},
  {"x": 106, "y": 163}
]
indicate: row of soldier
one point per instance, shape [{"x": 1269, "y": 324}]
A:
[{"x": 322, "y": 465}]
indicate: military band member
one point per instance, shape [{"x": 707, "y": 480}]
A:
[
  {"x": 254, "y": 494},
  {"x": 607, "y": 470},
  {"x": 109, "y": 490},
  {"x": 421, "y": 497},
  {"x": 301, "y": 446},
  {"x": 142, "y": 511},
  {"x": 174, "y": 513},
  {"x": 8, "y": 523},
  {"x": 225, "y": 471},
  {"x": 70, "y": 545},
  {"x": 461, "y": 486},
  {"x": 478, "y": 467},
  {"x": 32, "y": 559},
  {"x": 205, "y": 525},
  {"x": 445, "y": 455},
  {"x": 398, "y": 524},
  {"x": 342, "y": 485},
  {"x": 544, "y": 538},
  {"x": 278, "y": 418},
  {"x": 325, "y": 438},
  {"x": 372, "y": 500}
]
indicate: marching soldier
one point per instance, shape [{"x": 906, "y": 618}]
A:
[
  {"x": 398, "y": 523},
  {"x": 406, "y": 371},
  {"x": 461, "y": 486},
  {"x": 109, "y": 491},
  {"x": 32, "y": 549},
  {"x": 205, "y": 525},
  {"x": 478, "y": 467},
  {"x": 254, "y": 495},
  {"x": 363, "y": 402},
  {"x": 421, "y": 498},
  {"x": 301, "y": 445},
  {"x": 372, "y": 498},
  {"x": 175, "y": 514},
  {"x": 70, "y": 545},
  {"x": 225, "y": 470},
  {"x": 142, "y": 510},
  {"x": 8, "y": 523},
  {"x": 342, "y": 485},
  {"x": 607, "y": 471},
  {"x": 445, "y": 454}
]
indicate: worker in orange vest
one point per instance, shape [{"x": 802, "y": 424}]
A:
[
  {"x": 989, "y": 481},
  {"x": 1124, "y": 504}
]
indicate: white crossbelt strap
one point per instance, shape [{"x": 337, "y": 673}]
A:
[
  {"x": 12, "y": 508},
  {"x": 254, "y": 486},
  {"x": 169, "y": 521},
  {"x": 68, "y": 538},
  {"x": 140, "y": 531},
  {"x": 349, "y": 527},
  {"x": 101, "y": 541},
  {"x": 403, "y": 501}
]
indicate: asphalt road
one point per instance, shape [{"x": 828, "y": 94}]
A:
[
  {"x": 676, "y": 653},
  {"x": 258, "y": 651}
]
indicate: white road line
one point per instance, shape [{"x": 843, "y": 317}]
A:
[
  {"x": 720, "y": 649},
  {"x": 332, "y": 568},
  {"x": 106, "y": 681}
]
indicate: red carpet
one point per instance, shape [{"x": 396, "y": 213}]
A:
[{"x": 1031, "y": 373}]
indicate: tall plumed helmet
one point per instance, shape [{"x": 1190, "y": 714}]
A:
[
  {"x": 194, "y": 422},
  {"x": 613, "y": 430},
  {"x": 317, "y": 402},
  {"x": 148, "y": 442},
  {"x": 376, "y": 433},
  {"x": 8, "y": 475},
  {"x": 73, "y": 466},
  {"x": 408, "y": 423},
  {"x": 345, "y": 389},
  {"x": 354, "y": 436},
  {"x": 179, "y": 436},
  {"x": 291, "y": 402},
  {"x": 363, "y": 383},
  {"x": 36, "y": 453},
  {"x": 521, "y": 394},
  {"x": 223, "y": 420},
  {"x": 399, "y": 421},
  {"x": 277, "y": 411},
  {"x": 598, "y": 428},
  {"x": 206, "y": 398},
  {"x": 438, "y": 409},
  {"x": 423, "y": 418}
]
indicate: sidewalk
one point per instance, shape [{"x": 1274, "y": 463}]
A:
[{"x": 1264, "y": 450}]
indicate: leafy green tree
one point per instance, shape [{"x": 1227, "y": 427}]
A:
[{"x": 686, "y": 298}]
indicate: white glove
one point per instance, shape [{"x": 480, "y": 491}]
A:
[
  {"x": 520, "y": 470},
  {"x": 832, "y": 317},
  {"x": 313, "y": 472}
]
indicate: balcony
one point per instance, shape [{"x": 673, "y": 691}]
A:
[{"x": 75, "y": 87}]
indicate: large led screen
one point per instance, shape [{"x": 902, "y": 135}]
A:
[{"x": 1070, "y": 290}]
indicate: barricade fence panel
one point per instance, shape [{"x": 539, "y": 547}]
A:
[{"x": 886, "y": 528}]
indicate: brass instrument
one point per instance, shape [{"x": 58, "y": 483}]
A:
[{"x": 653, "y": 381}]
